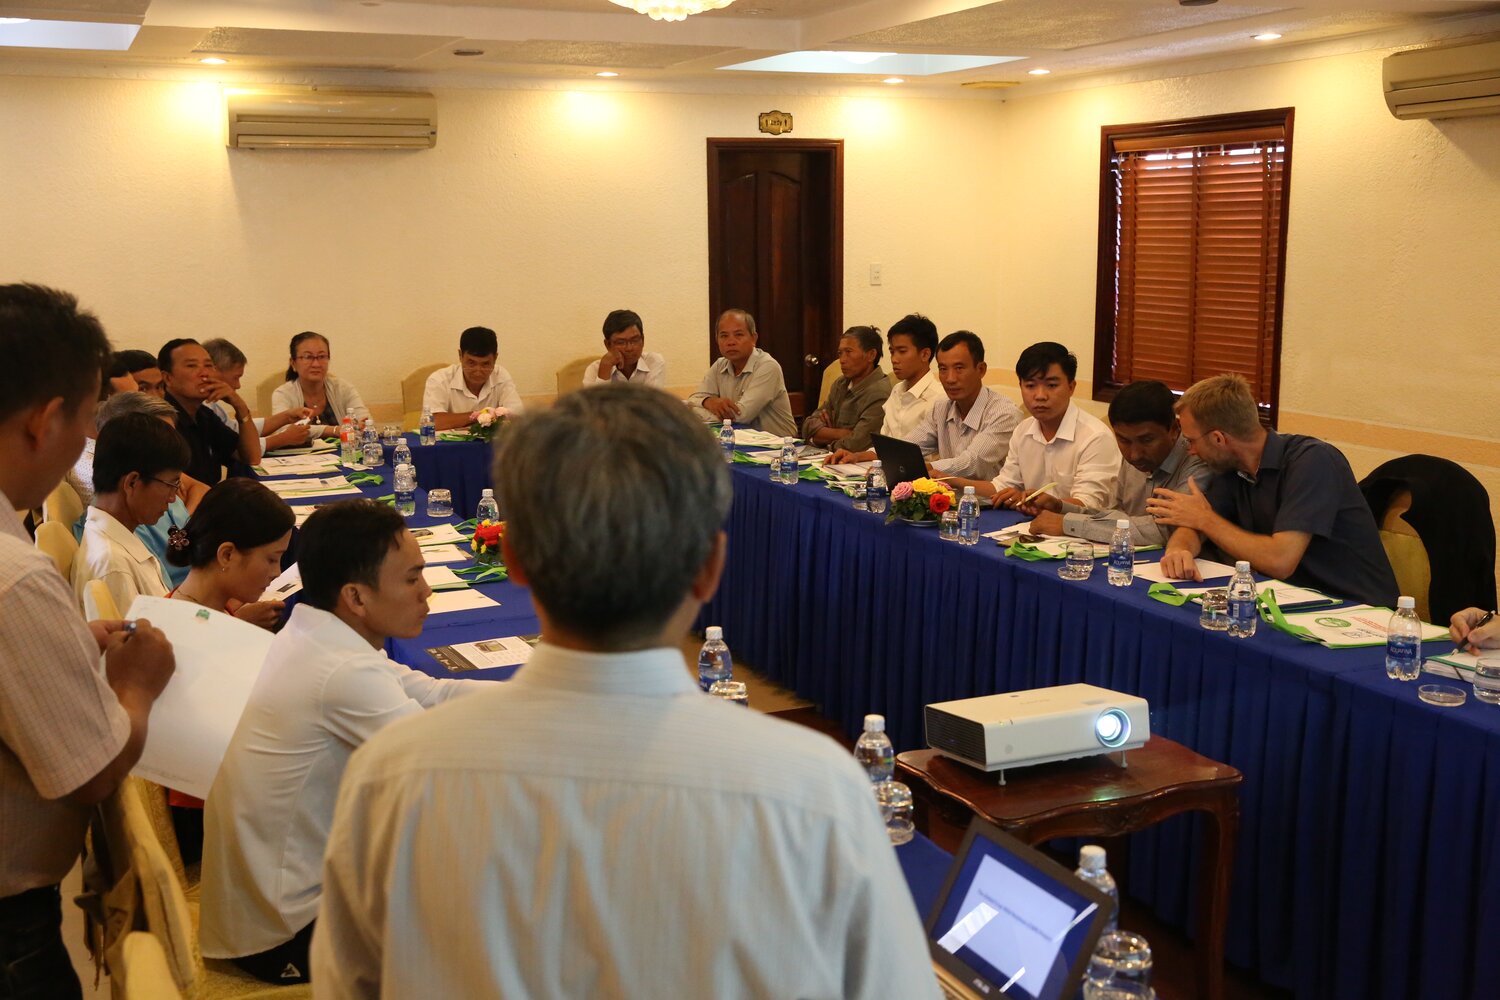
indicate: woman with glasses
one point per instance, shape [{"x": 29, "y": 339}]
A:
[
  {"x": 138, "y": 463},
  {"x": 308, "y": 384}
]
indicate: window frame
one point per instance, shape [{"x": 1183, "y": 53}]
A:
[{"x": 1106, "y": 290}]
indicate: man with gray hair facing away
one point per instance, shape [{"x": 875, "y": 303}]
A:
[{"x": 598, "y": 826}]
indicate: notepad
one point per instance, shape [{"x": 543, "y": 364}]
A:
[
  {"x": 1207, "y": 570},
  {"x": 438, "y": 554},
  {"x": 438, "y": 534},
  {"x": 444, "y": 602},
  {"x": 314, "y": 486},
  {"x": 486, "y": 654},
  {"x": 443, "y": 578}
]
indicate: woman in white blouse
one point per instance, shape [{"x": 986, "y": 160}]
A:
[
  {"x": 309, "y": 384},
  {"x": 138, "y": 463}
]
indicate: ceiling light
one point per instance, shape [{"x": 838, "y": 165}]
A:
[
  {"x": 606, "y": 72},
  {"x": 14, "y": 20},
  {"x": 213, "y": 61},
  {"x": 41, "y": 34},
  {"x": 672, "y": 10},
  {"x": 893, "y": 79},
  {"x": 864, "y": 58},
  {"x": 904, "y": 64},
  {"x": 1266, "y": 36},
  {"x": 1038, "y": 72}
]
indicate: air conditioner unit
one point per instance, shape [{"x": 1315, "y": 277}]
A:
[
  {"x": 330, "y": 119},
  {"x": 1447, "y": 82}
]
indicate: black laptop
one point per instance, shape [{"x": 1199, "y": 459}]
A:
[
  {"x": 1011, "y": 922},
  {"x": 901, "y": 460}
]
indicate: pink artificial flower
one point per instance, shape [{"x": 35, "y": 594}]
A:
[{"x": 902, "y": 491}]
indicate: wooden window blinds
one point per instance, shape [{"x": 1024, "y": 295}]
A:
[{"x": 1192, "y": 252}]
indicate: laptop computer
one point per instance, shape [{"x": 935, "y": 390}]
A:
[
  {"x": 1011, "y": 922},
  {"x": 901, "y": 460}
]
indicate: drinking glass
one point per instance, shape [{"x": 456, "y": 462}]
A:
[
  {"x": 895, "y": 805},
  {"x": 390, "y": 434},
  {"x": 1215, "y": 613},
  {"x": 1120, "y": 968},
  {"x": 439, "y": 503},
  {"x": 733, "y": 691},
  {"x": 1078, "y": 561},
  {"x": 1487, "y": 678},
  {"x": 948, "y": 526}
]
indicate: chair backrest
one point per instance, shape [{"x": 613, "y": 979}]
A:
[
  {"x": 56, "y": 539},
  {"x": 831, "y": 372},
  {"x": 63, "y": 505},
  {"x": 263, "y": 390},
  {"x": 570, "y": 375},
  {"x": 1407, "y": 554},
  {"x": 412, "y": 388},
  {"x": 143, "y": 972},
  {"x": 99, "y": 603}
]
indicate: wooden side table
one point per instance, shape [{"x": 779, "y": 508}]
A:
[{"x": 1095, "y": 797}]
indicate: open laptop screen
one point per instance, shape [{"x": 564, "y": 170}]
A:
[{"x": 1015, "y": 920}]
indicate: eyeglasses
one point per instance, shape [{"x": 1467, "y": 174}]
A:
[
  {"x": 175, "y": 485},
  {"x": 627, "y": 342},
  {"x": 313, "y": 357}
]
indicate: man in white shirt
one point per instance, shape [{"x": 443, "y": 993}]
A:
[
  {"x": 327, "y": 686},
  {"x": 455, "y": 395},
  {"x": 625, "y": 357},
  {"x": 591, "y": 828},
  {"x": 1058, "y": 446},
  {"x": 911, "y": 342},
  {"x": 745, "y": 384}
]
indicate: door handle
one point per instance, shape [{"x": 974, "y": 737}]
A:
[{"x": 812, "y": 360}]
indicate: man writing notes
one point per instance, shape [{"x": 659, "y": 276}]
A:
[
  {"x": 1059, "y": 446},
  {"x": 455, "y": 395},
  {"x": 745, "y": 385},
  {"x": 1153, "y": 455},
  {"x": 69, "y": 731},
  {"x": 855, "y": 407},
  {"x": 625, "y": 357},
  {"x": 1286, "y": 502},
  {"x": 590, "y": 828}
]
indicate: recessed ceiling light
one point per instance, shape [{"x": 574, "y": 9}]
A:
[
  {"x": 1038, "y": 72},
  {"x": 468, "y": 52},
  {"x": 893, "y": 79},
  {"x": 905, "y": 64},
  {"x": 213, "y": 61},
  {"x": 1266, "y": 36},
  {"x": 606, "y": 73}
]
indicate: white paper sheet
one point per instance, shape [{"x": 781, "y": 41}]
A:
[
  {"x": 1359, "y": 625},
  {"x": 1288, "y": 597},
  {"x": 849, "y": 470},
  {"x": 298, "y": 465},
  {"x": 312, "y": 486},
  {"x": 438, "y": 534},
  {"x": 443, "y": 578},
  {"x": 438, "y": 554},
  {"x": 745, "y": 437},
  {"x": 285, "y": 585},
  {"x": 1207, "y": 569},
  {"x": 315, "y": 447},
  {"x": 486, "y": 654},
  {"x": 218, "y": 661},
  {"x": 468, "y": 599},
  {"x": 303, "y": 512}
]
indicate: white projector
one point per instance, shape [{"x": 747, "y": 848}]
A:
[{"x": 997, "y": 731}]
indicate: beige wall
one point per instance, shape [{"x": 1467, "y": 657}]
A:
[{"x": 537, "y": 212}]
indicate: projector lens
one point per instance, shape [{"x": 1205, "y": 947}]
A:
[{"x": 1112, "y": 727}]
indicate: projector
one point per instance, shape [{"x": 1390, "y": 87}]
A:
[{"x": 1020, "y": 728}]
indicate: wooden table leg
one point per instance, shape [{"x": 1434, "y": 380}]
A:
[{"x": 1215, "y": 868}]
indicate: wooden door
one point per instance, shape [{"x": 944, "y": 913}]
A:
[{"x": 775, "y": 246}]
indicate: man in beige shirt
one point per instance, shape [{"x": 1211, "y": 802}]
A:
[
  {"x": 68, "y": 734},
  {"x": 745, "y": 384}
]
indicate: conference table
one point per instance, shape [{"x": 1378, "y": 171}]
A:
[{"x": 1368, "y": 861}]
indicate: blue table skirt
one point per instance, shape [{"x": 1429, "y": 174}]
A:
[
  {"x": 859, "y": 616},
  {"x": 461, "y": 467}
]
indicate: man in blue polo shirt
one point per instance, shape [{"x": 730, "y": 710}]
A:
[{"x": 1287, "y": 503}]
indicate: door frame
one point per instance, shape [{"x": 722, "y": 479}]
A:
[{"x": 834, "y": 150}]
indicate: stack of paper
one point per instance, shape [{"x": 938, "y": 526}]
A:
[
  {"x": 316, "y": 486},
  {"x": 438, "y": 534},
  {"x": 436, "y": 554},
  {"x": 1207, "y": 570},
  {"x": 443, "y": 578},
  {"x": 847, "y": 470},
  {"x": 316, "y": 447},
  {"x": 298, "y": 465},
  {"x": 744, "y": 437},
  {"x": 486, "y": 654},
  {"x": 1344, "y": 628},
  {"x": 303, "y": 512},
  {"x": 1457, "y": 665}
]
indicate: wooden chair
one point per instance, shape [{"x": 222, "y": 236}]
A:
[
  {"x": 63, "y": 505},
  {"x": 570, "y": 375},
  {"x": 143, "y": 972},
  {"x": 55, "y": 538},
  {"x": 412, "y": 388},
  {"x": 99, "y": 603}
]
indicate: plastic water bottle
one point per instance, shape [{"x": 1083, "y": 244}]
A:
[
  {"x": 1403, "y": 642},
  {"x": 1242, "y": 614},
  {"x": 401, "y": 455},
  {"x": 1122, "y": 555},
  {"x": 372, "y": 452},
  {"x": 874, "y": 751},
  {"x": 348, "y": 443},
  {"x": 968, "y": 517},
  {"x": 426, "y": 430},
  {"x": 790, "y": 471},
  {"x": 1091, "y": 869},
  {"x": 714, "y": 662},
  {"x": 876, "y": 490},
  {"x": 726, "y": 440},
  {"x": 488, "y": 509},
  {"x": 406, "y": 489}
]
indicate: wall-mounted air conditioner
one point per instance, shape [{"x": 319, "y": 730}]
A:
[
  {"x": 1453, "y": 81},
  {"x": 311, "y": 118}
]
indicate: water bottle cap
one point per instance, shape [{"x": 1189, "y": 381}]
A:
[
  {"x": 714, "y": 633},
  {"x": 1405, "y": 603},
  {"x": 968, "y": 490},
  {"x": 1243, "y": 566},
  {"x": 874, "y": 723},
  {"x": 1123, "y": 522},
  {"x": 486, "y": 493},
  {"x": 787, "y": 441},
  {"x": 1091, "y": 858},
  {"x": 728, "y": 424},
  {"x": 875, "y": 464}
]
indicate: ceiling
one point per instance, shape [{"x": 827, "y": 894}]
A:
[{"x": 575, "y": 39}]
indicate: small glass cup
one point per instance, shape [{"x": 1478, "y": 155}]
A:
[
  {"x": 1120, "y": 967},
  {"x": 439, "y": 503},
  {"x": 731, "y": 691},
  {"x": 1078, "y": 561},
  {"x": 948, "y": 526},
  {"x": 895, "y": 805},
  {"x": 373, "y": 454},
  {"x": 1487, "y": 678},
  {"x": 1214, "y": 615},
  {"x": 390, "y": 434},
  {"x": 857, "y": 493}
]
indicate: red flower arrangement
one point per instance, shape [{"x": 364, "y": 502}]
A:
[
  {"x": 939, "y": 502},
  {"x": 486, "y": 541}
]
